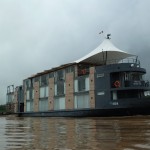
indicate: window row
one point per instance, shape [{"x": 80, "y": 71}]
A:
[
  {"x": 80, "y": 85},
  {"x": 80, "y": 101},
  {"x": 43, "y": 80}
]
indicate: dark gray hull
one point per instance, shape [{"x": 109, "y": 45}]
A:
[{"x": 89, "y": 113}]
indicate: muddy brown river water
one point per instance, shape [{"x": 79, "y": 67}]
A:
[{"x": 119, "y": 133}]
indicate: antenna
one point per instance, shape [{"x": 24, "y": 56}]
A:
[
  {"x": 108, "y": 36},
  {"x": 101, "y": 32}
]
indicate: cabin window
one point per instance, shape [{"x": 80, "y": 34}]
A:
[
  {"x": 82, "y": 101},
  {"x": 81, "y": 84},
  {"x": 132, "y": 76},
  {"x": 114, "y": 95},
  {"x": 21, "y": 94},
  {"x": 59, "y": 75},
  {"x": 147, "y": 93},
  {"x": 44, "y": 80},
  {"x": 36, "y": 79},
  {"x": 126, "y": 76},
  {"x": 59, "y": 103},
  {"x": 43, "y": 104},
  {"x": 30, "y": 94},
  {"x": 70, "y": 69},
  {"x": 60, "y": 88},
  {"x": 51, "y": 75},
  {"x": 129, "y": 94},
  {"x": 29, "y": 106},
  {"x": 43, "y": 91},
  {"x": 28, "y": 83},
  {"x": 135, "y": 76}
]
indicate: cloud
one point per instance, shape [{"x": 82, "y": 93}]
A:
[{"x": 36, "y": 35}]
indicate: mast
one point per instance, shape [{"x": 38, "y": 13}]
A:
[{"x": 108, "y": 37}]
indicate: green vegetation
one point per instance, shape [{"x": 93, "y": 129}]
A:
[{"x": 2, "y": 108}]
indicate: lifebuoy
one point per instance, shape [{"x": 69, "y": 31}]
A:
[{"x": 117, "y": 84}]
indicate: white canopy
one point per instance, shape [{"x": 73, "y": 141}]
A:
[{"x": 104, "y": 53}]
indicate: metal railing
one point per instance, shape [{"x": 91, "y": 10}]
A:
[
  {"x": 139, "y": 83},
  {"x": 126, "y": 60},
  {"x": 131, "y": 83}
]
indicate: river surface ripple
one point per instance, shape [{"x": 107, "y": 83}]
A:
[{"x": 120, "y": 133}]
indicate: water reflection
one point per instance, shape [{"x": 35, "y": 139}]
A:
[{"x": 127, "y": 133}]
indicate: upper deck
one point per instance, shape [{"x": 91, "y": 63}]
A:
[{"x": 125, "y": 60}]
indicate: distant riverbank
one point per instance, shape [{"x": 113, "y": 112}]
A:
[{"x": 3, "y": 110}]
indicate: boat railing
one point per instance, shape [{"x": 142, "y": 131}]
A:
[
  {"x": 140, "y": 83},
  {"x": 126, "y": 60}
]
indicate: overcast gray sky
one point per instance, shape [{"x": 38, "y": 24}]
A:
[{"x": 36, "y": 35}]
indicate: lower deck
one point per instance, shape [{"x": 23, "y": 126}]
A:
[{"x": 141, "y": 107}]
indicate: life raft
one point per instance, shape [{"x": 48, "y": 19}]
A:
[{"x": 117, "y": 84}]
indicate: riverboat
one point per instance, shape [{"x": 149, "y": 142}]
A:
[{"x": 105, "y": 82}]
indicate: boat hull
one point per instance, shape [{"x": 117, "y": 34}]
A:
[
  {"x": 124, "y": 108},
  {"x": 89, "y": 113}
]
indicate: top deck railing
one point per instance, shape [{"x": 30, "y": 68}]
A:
[{"x": 126, "y": 60}]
